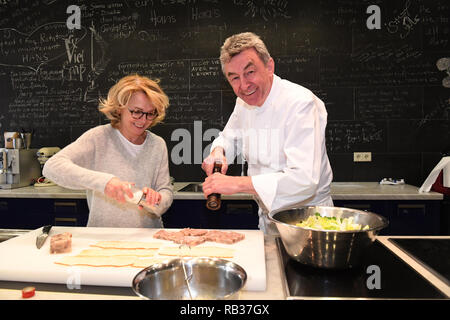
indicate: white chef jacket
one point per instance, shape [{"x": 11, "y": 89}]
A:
[{"x": 283, "y": 142}]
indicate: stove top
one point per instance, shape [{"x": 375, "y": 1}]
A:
[
  {"x": 433, "y": 253},
  {"x": 397, "y": 280}
]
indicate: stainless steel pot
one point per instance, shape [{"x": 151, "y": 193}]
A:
[
  {"x": 326, "y": 248},
  {"x": 196, "y": 278}
]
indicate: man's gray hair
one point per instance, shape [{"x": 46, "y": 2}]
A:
[{"x": 239, "y": 42}]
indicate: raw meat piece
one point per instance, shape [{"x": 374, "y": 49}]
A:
[
  {"x": 180, "y": 237},
  {"x": 168, "y": 235},
  {"x": 61, "y": 243},
  {"x": 228, "y": 237},
  {"x": 188, "y": 236},
  {"x": 194, "y": 232},
  {"x": 213, "y": 235},
  {"x": 162, "y": 234}
]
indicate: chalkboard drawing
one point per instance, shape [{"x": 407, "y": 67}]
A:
[
  {"x": 443, "y": 64},
  {"x": 267, "y": 9},
  {"x": 405, "y": 22},
  {"x": 43, "y": 45},
  {"x": 92, "y": 93}
]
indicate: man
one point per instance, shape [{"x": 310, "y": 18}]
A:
[{"x": 278, "y": 126}]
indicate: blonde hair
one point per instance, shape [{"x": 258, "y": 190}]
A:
[
  {"x": 121, "y": 92},
  {"x": 239, "y": 42}
]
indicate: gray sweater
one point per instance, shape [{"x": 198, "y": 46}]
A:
[{"x": 97, "y": 156}]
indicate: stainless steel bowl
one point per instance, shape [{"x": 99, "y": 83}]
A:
[
  {"x": 326, "y": 248},
  {"x": 200, "y": 279}
]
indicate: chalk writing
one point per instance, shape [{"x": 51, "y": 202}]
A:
[
  {"x": 405, "y": 21},
  {"x": 267, "y": 9},
  {"x": 388, "y": 103},
  {"x": 51, "y": 78},
  {"x": 43, "y": 45},
  {"x": 188, "y": 107},
  {"x": 352, "y": 136}
]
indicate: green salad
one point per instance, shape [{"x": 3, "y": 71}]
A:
[{"x": 318, "y": 222}]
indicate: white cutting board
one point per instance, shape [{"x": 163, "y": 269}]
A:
[{"x": 20, "y": 260}]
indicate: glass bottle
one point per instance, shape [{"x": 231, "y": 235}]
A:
[{"x": 139, "y": 198}]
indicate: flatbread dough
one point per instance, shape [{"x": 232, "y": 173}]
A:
[
  {"x": 97, "y": 252},
  {"x": 213, "y": 252},
  {"x": 117, "y": 261},
  {"x": 138, "y": 254},
  {"x": 145, "y": 262},
  {"x": 127, "y": 245}
]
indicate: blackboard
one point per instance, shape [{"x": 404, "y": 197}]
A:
[{"x": 386, "y": 90}]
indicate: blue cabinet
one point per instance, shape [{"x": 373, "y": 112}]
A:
[
  {"x": 406, "y": 217},
  {"x": 16, "y": 213}
]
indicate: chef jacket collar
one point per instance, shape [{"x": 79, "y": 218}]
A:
[{"x": 271, "y": 97}]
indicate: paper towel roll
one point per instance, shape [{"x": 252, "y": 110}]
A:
[{"x": 444, "y": 164}]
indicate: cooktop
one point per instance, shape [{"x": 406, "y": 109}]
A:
[
  {"x": 381, "y": 275},
  {"x": 433, "y": 253}
]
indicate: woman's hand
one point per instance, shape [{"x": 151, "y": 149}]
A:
[
  {"x": 117, "y": 189},
  {"x": 152, "y": 197}
]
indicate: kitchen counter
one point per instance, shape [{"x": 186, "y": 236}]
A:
[
  {"x": 11, "y": 290},
  {"x": 408, "y": 210},
  {"x": 339, "y": 191},
  {"x": 275, "y": 281}
]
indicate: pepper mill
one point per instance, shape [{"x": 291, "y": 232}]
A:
[{"x": 213, "y": 202}]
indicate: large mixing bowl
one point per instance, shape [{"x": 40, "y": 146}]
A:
[
  {"x": 326, "y": 248},
  {"x": 199, "y": 279}
]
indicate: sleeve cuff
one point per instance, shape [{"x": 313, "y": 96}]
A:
[{"x": 266, "y": 187}]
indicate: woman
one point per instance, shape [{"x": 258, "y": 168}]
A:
[{"x": 109, "y": 158}]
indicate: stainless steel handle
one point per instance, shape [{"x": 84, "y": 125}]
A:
[
  {"x": 58, "y": 220},
  {"x": 46, "y": 229},
  {"x": 65, "y": 204}
]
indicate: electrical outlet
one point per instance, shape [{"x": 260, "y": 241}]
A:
[{"x": 362, "y": 156}]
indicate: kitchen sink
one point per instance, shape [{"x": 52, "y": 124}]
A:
[
  {"x": 6, "y": 234},
  {"x": 192, "y": 187}
]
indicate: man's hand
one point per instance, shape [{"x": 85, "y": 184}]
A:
[
  {"x": 216, "y": 155},
  {"x": 220, "y": 183},
  {"x": 117, "y": 189}
]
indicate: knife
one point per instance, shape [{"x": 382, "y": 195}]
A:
[{"x": 40, "y": 239}]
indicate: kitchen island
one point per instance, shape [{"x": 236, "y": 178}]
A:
[
  {"x": 276, "y": 288},
  {"x": 12, "y": 289},
  {"x": 357, "y": 194}
]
